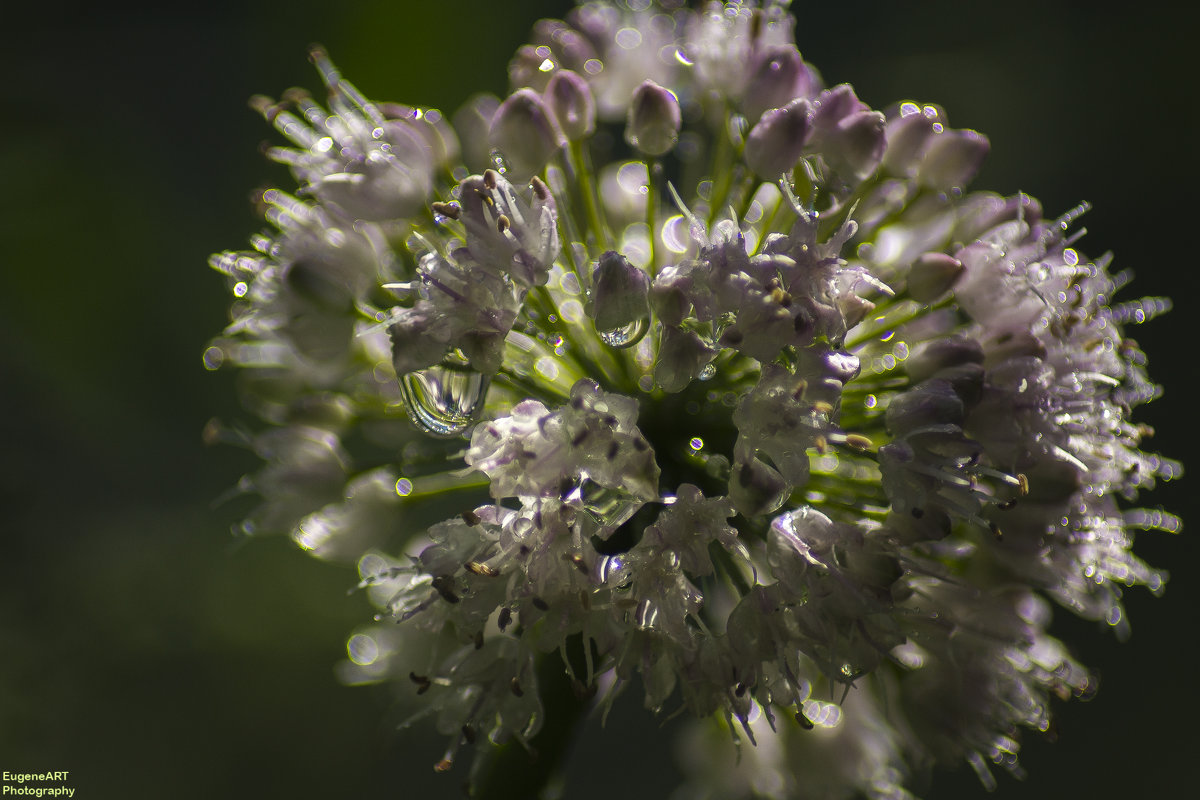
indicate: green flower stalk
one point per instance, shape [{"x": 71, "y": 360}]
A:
[{"x": 765, "y": 413}]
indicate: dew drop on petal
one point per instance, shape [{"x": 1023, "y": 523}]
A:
[
  {"x": 362, "y": 649},
  {"x": 214, "y": 357},
  {"x": 443, "y": 400},
  {"x": 626, "y": 335},
  {"x": 404, "y": 487}
]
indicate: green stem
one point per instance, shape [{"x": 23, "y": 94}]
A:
[
  {"x": 510, "y": 772},
  {"x": 583, "y": 176}
]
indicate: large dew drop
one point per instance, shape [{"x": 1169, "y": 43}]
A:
[
  {"x": 626, "y": 335},
  {"x": 445, "y": 399}
]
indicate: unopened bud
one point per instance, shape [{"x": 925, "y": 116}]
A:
[
  {"x": 775, "y": 144},
  {"x": 619, "y": 293},
  {"x": 779, "y": 77},
  {"x": 654, "y": 119},
  {"x": 952, "y": 159},
  {"x": 472, "y": 122},
  {"x": 907, "y": 135},
  {"x": 523, "y": 133},
  {"x": 931, "y": 403},
  {"x": 932, "y": 275},
  {"x": 570, "y": 99}
]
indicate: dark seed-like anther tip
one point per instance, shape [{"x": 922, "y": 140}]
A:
[
  {"x": 470, "y": 517},
  {"x": 515, "y": 685},
  {"x": 540, "y": 604},
  {"x": 445, "y": 209},
  {"x": 503, "y": 223},
  {"x": 539, "y": 188},
  {"x": 443, "y": 765},
  {"x": 489, "y": 178}
]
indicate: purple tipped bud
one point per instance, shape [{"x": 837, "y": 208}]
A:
[
  {"x": 523, "y": 133},
  {"x": 472, "y": 122},
  {"x": 779, "y": 77},
  {"x": 937, "y": 355},
  {"x": 860, "y": 143},
  {"x": 570, "y": 98},
  {"x": 907, "y": 136},
  {"x": 654, "y": 119},
  {"x": 619, "y": 293},
  {"x": 927, "y": 404},
  {"x": 775, "y": 144},
  {"x": 932, "y": 275},
  {"x": 847, "y": 133},
  {"x": 952, "y": 159}
]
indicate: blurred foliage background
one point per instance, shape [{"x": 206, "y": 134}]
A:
[{"x": 151, "y": 654}]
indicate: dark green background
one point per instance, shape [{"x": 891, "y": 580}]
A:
[{"x": 150, "y": 656}]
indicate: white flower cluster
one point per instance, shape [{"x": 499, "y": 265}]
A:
[{"x": 735, "y": 390}]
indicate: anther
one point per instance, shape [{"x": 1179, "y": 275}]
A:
[
  {"x": 470, "y": 517},
  {"x": 1023, "y": 482},
  {"x": 999, "y": 534},
  {"x": 503, "y": 223},
  {"x": 444, "y": 585},
  {"x": 859, "y": 442},
  {"x": 515, "y": 685},
  {"x": 445, "y": 209},
  {"x": 822, "y": 445},
  {"x": 540, "y": 189},
  {"x": 505, "y": 618},
  {"x": 479, "y": 568},
  {"x": 423, "y": 683},
  {"x": 804, "y": 721},
  {"x": 540, "y": 604},
  {"x": 821, "y": 407},
  {"x": 443, "y": 765},
  {"x": 489, "y": 178}
]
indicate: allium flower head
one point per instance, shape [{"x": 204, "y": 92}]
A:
[{"x": 732, "y": 388}]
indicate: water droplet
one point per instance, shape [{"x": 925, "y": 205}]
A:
[
  {"x": 708, "y": 372},
  {"x": 362, "y": 649},
  {"x": 444, "y": 400},
  {"x": 626, "y": 336},
  {"x": 240, "y": 288},
  {"x": 404, "y": 487},
  {"x": 214, "y": 357},
  {"x": 608, "y": 508},
  {"x": 697, "y": 444}
]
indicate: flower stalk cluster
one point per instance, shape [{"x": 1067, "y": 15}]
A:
[{"x": 734, "y": 390}]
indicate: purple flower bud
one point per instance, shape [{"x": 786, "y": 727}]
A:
[
  {"x": 472, "y": 122},
  {"x": 523, "y": 132},
  {"x": 779, "y": 77},
  {"x": 907, "y": 135},
  {"x": 570, "y": 98},
  {"x": 928, "y": 404},
  {"x": 654, "y": 119},
  {"x": 847, "y": 133},
  {"x": 932, "y": 275},
  {"x": 619, "y": 293},
  {"x": 952, "y": 159},
  {"x": 775, "y": 144},
  {"x": 937, "y": 355}
]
